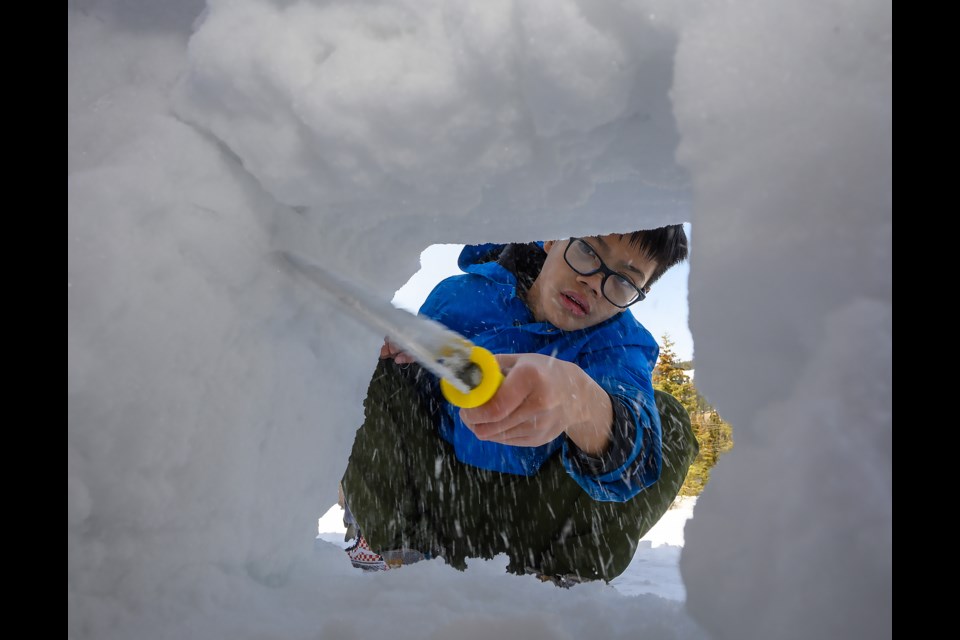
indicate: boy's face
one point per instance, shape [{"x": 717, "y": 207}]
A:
[{"x": 570, "y": 301}]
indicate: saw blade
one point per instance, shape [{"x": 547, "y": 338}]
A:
[{"x": 443, "y": 352}]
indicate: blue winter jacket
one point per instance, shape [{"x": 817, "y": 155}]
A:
[{"x": 619, "y": 354}]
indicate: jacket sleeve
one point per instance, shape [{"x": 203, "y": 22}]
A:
[{"x": 633, "y": 460}]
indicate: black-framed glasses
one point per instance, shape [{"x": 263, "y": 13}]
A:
[{"x": 617, "y": 288}]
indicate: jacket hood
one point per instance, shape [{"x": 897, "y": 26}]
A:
[{"x": 474, "y": 254}]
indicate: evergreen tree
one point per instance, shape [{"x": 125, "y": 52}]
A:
[
  {"x": 714, "y": 435},
  {"x": 669, "y": 377}
]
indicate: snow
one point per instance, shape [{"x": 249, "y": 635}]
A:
[{"x": 212, "y": 401}]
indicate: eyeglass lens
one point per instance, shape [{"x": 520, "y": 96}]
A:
[{"x": 584, "y": 260}]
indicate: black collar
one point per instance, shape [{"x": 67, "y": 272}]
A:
[{"x": 524, "y": 261}]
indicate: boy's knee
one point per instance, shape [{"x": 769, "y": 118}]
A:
[
  {"x": 676, "y": 428},
  {"x": 670, "y": 408}
]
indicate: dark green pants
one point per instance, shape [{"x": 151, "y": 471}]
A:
[{"x": 406, "y": 489}]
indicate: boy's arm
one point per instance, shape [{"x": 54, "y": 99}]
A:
[
  {"x": 634, "y": 460},
  {"x": 608, "y": 413},
  {"x": 540, "y": 398}
]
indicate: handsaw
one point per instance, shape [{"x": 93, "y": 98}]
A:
[{"x": 469, "y": 375}]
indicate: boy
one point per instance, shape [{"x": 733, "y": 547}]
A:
[{"x": 572, "y": 460}]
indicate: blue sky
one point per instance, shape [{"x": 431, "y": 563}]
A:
[{"x": 665, "y": 310}]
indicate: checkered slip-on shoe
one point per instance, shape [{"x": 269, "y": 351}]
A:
[{"x": 363, "y": 557}]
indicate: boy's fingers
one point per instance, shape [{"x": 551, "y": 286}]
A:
[
  {"x": 386, "y": 349},
  {"x": 516, "y": 425},
  {"x": 509, "y": 397},
  {"x": 390, "y": 350},
  {"x": 506, "y": 361}
]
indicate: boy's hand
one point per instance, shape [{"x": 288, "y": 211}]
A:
[
  {"x": 540, "y": 398},
  {"x": 390, "y": 350}
]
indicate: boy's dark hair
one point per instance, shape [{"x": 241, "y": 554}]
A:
[{"x": 666, "y": 245}]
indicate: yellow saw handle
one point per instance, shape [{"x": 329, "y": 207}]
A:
[{"x": 492, "y": 377}]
